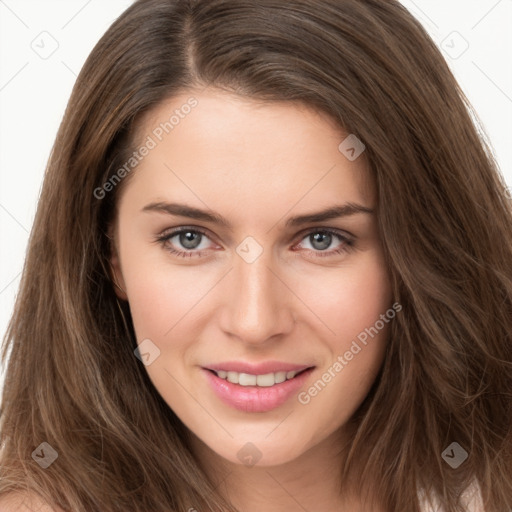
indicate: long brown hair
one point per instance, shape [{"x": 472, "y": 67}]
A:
[{"x": 445, "y": 222}]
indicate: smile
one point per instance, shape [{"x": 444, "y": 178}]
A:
[
  {"x": 246, "y": 379},
  {"x": 255, "y": 393}
]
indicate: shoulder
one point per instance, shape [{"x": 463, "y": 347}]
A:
[
  {"x": 24, "y": 502},
  {"x": 471, "y": 500}
]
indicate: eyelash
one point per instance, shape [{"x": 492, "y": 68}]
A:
[{"x": 348, "y": 244}]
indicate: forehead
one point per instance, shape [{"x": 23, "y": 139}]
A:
[{"x": 216, "y": 143}]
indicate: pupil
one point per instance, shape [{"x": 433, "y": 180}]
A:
[
  {"x": 187, "y": 239},
  {"x": 323, "y": 243}
]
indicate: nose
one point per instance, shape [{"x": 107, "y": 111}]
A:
[{"x": 259, "y": 304}]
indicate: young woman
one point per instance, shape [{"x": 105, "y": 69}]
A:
[{"x": 271, "y": 269}]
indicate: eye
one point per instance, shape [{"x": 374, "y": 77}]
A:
[
  {"x": 321, "y": 239},
  {"x": 190, "y": 239}
]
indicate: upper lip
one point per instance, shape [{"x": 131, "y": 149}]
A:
[{"x": 259, "y": 368}]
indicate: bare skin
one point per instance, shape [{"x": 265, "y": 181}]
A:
[
  {"x": 24, "y": 502},
  {"x": 299, "y": 301}
]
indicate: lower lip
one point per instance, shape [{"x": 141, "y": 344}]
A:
[{"x": 255, "y": 398}]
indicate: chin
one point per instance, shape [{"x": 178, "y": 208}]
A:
[{"x": 259, "y": 452}]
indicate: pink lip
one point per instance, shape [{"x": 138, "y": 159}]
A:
[
  {"x": 258, "y": 369},
  {"x": 255, "y": 398}
]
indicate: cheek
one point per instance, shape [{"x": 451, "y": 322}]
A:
[
  {"x": 363, "y": 299},
  {"x": 348, "y": 299},
  {"x": 162, "y": 304},
  {"x": 161, "y": 294},
  {"x": 351, "y": 307}
]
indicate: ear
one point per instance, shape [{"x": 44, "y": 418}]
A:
[{"x": 116, "y": 275}]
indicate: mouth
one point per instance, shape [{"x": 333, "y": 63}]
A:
[
  {"x": 262, "y": 392},
  {"x": 263, "y": 380}
]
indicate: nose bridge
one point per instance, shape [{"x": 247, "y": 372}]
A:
[{"x": 258, "y": 302}]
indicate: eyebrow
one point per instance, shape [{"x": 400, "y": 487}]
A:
[{"x": 191, "y": 212}]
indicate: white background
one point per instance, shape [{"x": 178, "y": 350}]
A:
[{"x": 35, "y": 87}]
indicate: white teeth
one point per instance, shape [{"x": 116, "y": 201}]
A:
[
  {"x": 279, "y": 377},
  {"x": 233, "y": 377},
  {"x": 246, "y": 379}
]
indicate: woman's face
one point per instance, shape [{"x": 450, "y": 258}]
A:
[{"x": 267, "y": 290}]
